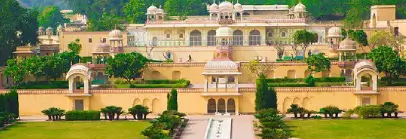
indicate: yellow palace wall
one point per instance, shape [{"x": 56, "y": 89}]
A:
[
  {"x": 190, "y": 101},
  {"x": 191, "y": 71}
]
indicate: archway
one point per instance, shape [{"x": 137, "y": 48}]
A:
[
  {"x": 230, "y": 105},
  {"x": 306, "y": 103},
  {"x": 221, "y": 106},
  {"x": 374, "y": 20},
  {"x": 255, "y": 38},
  {"x": 211, "y": 38},
  {"x": 271, "y": 74},
  {"x": 154, "y": 41},
  {"x": 155, "y": 75},
  {"x": 366, "y": 82},
  {"x": 291, "y": 74},
  {"x": 286, "y": 104},
  {"x": 137, "y": 102},
  {"x": 238, "y": 38},
  {"x": 211, "y": 106},
  {"x": 156, "y": 106},
  {"x": 146, "y": 103},
  {"x": 176, "y": 75},
  {"x": 296, "y": 101},
  {"x": 79, "y": 74},
  {"x": 195, "y": 38}
]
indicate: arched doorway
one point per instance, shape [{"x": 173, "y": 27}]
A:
[
  {"x": 136, "y": 102},
  {"x": 255, "y": 38},
  {"x": 221, "y": 106},
  {"x": 230, "y": 105},
  {"x": 238, "y": 38},
  {"x": 146, "y": 103},
  {"x": 195, "y": 38},
  {"x": 154, "y": 41},
  {"x": 176, "y": 75},
  {"x": 211, "y": 106},
  {"x": 156, "y": 106},
  {"x": 211, "y": 38},
  {"x": 366, "y": 82}
]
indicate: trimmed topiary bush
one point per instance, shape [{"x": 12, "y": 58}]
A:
[
  {"x": 82, "y": 115},
  {"x": 368, "y": 111}
]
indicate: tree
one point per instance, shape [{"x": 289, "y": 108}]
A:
[
  {"x": 304, "y": 39},
  {"x": 18, "y": 27},
  {"x": 51, "y": 16},
  {"x": 108, "y": 22},
  {"x": 271, "y": 98},
  {"x": 388, "y": 61},
  {"x": 34, "y": 66},
  {"x": 75, "y": 47},
  {"x": 127, "y": 65},
  {"x": 318, "y": 63},
  {"x": 135, "y": 11},
  {"x": 262, "y": 88},
  {"x": 358, "y": 36},
  {"x": 258, "y": 68},
  {"x": 379, "y": 38},
  {"x": 54, "y": 66},
  {"x": 15, "y": 70},
  {"x": 173, "y": 100}
]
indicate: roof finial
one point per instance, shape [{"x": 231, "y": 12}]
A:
[
  {"x": 115, "y": 26},
  {"x": 160, "y": 6},
  {"x": 237, "y": 1},
  {"x": 214, "y": 1}
]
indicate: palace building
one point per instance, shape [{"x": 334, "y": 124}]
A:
[{"x": 212, "y": 52}]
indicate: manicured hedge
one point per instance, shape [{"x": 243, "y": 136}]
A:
[
  {"x": 154, "y": 84},
  {"x": 44, "y": 85},
  {"x": 152, "y": 81},
  {"x": 288, "y": 85},
  {"x": 82, "y": 115},
  {"x": 329, "y": 84},
  {"x": 296, "y": 80}
]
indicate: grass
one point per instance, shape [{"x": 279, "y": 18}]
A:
[
  {"x": 75, "y": 130},
  {"x": 349, "y": 129}
]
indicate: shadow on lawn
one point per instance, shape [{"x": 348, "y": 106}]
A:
[{"x": 16, "y": 125}]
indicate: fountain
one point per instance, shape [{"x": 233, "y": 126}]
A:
[{"x": 218, "y": 128}]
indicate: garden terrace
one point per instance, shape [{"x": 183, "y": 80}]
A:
[
  {"x": 153, "y": 84},
  {"x": 300, "y": 82}
]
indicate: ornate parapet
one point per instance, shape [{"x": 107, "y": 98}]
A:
[
  {"x": 305, "y": 89},
  {"x": 147, "y": 90},
  {"x": 38, "y": 91},
  {"x": 192, "y": 64}
]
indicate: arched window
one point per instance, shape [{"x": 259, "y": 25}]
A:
[
  {"x": 167, "y": 34},
  {"x": 211, "y": 106},
  {"x": 255, "y": 38},
  {"x": 270, "y": 34},
  {"x": 211, "y": 38},
  {"x": 238, "y": 38},
  {"x": 221, "y": 105},
  {"x": 181, "y": 34},
  {"x": 195, "y": 38},
  {"x": 283, "y": 34},
  {"x": 291, "y": 74},
  {"x": 230, "y": 105}
]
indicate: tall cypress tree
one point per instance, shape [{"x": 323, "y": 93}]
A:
[
  {"x": 271, "y": 98},
  {"x": 260, "y": 98},
  {"x": 173, "y": 100},
  {"x": 13, "y": 106}
]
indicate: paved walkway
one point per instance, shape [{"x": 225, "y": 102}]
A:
[
  {"x": 242, "y": 127},
  {"x": 196, "y": 127}
]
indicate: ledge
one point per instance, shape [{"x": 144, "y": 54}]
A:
[
  {"x": 78, "y": 95},
  {"x": 370, "y": 92}
]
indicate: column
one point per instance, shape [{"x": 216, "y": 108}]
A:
[
  {"x": 236, "y": 83},
  {"x": 211, "y": 14},
  {"x": 226, "y": 85},
  {"x": 226, "y": 104},
  {"x": 339, "y": 57},
  {"x": 241, "y": 15},
  {"x": 237, "y": 106},
  {"x": 217, "y": 83},
  {"x": 217, "y": 105},
  {"x": 205, "y": 84}
]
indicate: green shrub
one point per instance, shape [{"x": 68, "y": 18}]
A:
[
  {"x": 54, "y": 114},
  {"x": 388, "y": 108},
  {"x": 348, "y": 114},
  {"x": 288, "y": 85},
  {"x": 311, "y": 82},
  {"x": 82, "y": 115},
  {"x": 316, "y": 117},
  {"x": 330, "y": 79},
  {"x": 329, "y": 84},
  {"x": 284, "y": 80},
  {"x": 330, "y": 111},
  {"x": 112, "y": 112},
  {"x": 44, "y": 85},
  {"x": 272, "y": 125},
  {"x": 139, "y": 112},
  {"x": 1, "y": 121},
  {"x": 368, "y": 111}
]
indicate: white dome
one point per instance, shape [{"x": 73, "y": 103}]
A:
[
  {"x": 151, "y": 9},
  {"x": 160, "y": 10},
  {"x": 238, "y": 7},
  {"x": 365, "y": 64},
  {"x": 347, "y": 45},
  {"x": 221, "y": 65},
  {"x": 300, "y": 8},
  {"x": 224, "y": 32},
  {"x": 101, "y": 48},
  {"x": 49, "y": 28},
  {"x": 116, "y": 34},
  {"x": 41, "y": 29},
  {"x": 226, "y": 6},
  {"x": 214, "y": 7},
  {"x": 334, "y": 32},
  {"x": 81, "y": 69}
]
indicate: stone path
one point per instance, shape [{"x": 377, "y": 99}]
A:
[
  {"x": 196, "y": 127},
  {"x": 242, "y": 127}
]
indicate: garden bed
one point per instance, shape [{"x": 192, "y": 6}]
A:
[
  {"x": 44, "y": 85},
  {"x": 153, "y": 84}
]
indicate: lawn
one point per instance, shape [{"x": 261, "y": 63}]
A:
[
  {"x": 75, "y": 130},
  {"x": 349, "y": 129}
]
